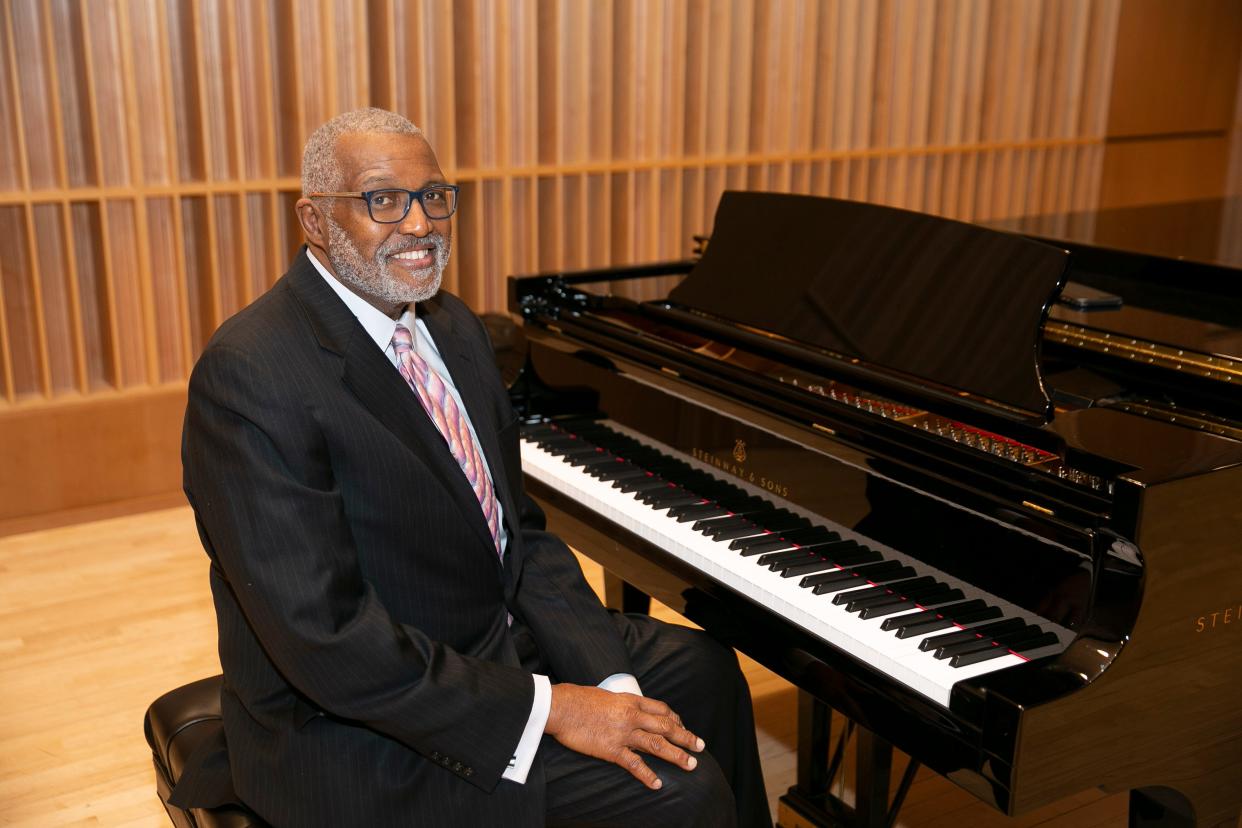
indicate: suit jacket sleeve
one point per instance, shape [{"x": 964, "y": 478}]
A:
[{"x": 259, "y": 475}]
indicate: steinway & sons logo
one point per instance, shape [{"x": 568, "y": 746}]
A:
[
  {"x": 739, "y": 451},
  {"x": 736, "y": 468},
  {"x": 1229, "y": 615}
]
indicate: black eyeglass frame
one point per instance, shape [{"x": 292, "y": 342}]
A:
[{"x": 414, "y": 195}]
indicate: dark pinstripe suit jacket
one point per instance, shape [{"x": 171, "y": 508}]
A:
[{"x": 370, "y": 675}]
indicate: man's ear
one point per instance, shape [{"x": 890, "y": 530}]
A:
[{"x": 314, "y": 223}]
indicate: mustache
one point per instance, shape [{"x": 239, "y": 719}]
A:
[{"x": 394, "y": 246}]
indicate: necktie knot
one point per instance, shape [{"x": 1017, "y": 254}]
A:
[{"x": 402, "y": 339}]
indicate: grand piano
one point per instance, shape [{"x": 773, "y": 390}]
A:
[{"x": 973, "y": 490}]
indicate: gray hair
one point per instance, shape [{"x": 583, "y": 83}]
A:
[{"x": 321, "y": 171}]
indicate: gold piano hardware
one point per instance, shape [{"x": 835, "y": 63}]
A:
[
  {"x": 1202, "y": 423},
  {"x": 823, "y": 428},
  {"x": 669, "y": 371},
  {"x": 1212, "y": 367},
  {"x": 1042, "y": 509},
  {"x": 555, "y": 329},
  {"x": 1229, "y": 615}
]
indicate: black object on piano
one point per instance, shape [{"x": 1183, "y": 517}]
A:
[{"x": 865, "y": 447}]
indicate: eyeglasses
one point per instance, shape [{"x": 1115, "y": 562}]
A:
[{"x": 389, "y": 206}]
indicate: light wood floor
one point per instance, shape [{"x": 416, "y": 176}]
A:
[{"x": 99, "y": 618}]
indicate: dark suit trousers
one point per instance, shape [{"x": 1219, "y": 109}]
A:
[{"x": 701, "y": 680}]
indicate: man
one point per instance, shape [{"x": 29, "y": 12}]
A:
[{"x": 402, "y": 643}]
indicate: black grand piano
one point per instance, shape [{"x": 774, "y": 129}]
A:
[{"x": 957, "y": 484}]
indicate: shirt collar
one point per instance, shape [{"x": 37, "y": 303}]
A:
[{"x": 374, "y": 321}]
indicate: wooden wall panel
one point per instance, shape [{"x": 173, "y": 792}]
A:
[
  {"x": 150, "y": 149},
  {"x": 1176, "y": 67},
  {"x": 1166, "y": 170},
  {"x": 53, "y": 462}
]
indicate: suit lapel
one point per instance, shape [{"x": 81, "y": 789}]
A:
[{"x": 368, "y": 375}]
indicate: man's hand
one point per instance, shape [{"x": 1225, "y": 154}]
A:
[{"x": 612, "y": 726}]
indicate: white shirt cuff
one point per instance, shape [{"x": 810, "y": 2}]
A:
[
  {"x": 621, "y": 683},
  {"x": 524, "y": 755}
]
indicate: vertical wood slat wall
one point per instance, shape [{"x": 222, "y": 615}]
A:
[{"x": 149, "y": 149}]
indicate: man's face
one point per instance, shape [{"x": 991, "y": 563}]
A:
[{"x": 389, "y": 265}]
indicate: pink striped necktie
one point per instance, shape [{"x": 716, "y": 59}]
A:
[{"x": 443, "y": 411}]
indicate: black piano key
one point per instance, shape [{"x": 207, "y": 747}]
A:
[
  {"x": 945, "y": 621},
  {"x": 719, "y": 523},
  {"x": 932, "y": 614},
  {"x": 806, "y": 536},
  {"x": 654, "y": 497},
  {"x": 761, "y": 544},
  {"x": 882, "y": 610},
  {"x": 558, "y": 442},
  {"x": 596, "y": 459},
  {"x": 842, "y": 547},
  {"x": 948, "y": 639},
  {"x": 675, "y": 502},
  {"x": 672, "y": 502},
  {"x": 783, "y": 523},
  {"x": 1000, "y": 640},
  {"x": 1033, "y": 643},
  {"x": 889, "y": 594},
  {"x": 697, "y": 511},
  {"x": 827, "y": 587},
  {"x": 624, "y": 471},
  {"x": 794, "y": 570},
  {"x": 640, "y": 484},
  {"x": 580, "y": 450},
  {"x": 870, "y": 571},
  {"x": 607, "y": 472},
  {"x": 976, "y": 656},
  {"x": 945, "y": 614},
  {"x": 831, "y": 553},
  {"x": 932, "y": 593},
  {"x": 964, "y": 647},
  {"x": 891, "y": 586},
  {"x": 785, "y": 555},
  {"x": 720, "y": 535},
  {"x": 848, "y": 556}
]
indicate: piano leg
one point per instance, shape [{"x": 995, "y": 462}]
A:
[
  {"x": 810, "y": 803},
  {"x": 624, "y": 596}
]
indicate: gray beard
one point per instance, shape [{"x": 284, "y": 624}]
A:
[{"x": 372, "y": 276}]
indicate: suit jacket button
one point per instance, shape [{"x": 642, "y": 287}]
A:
[
  {"x": 457, "y": 766},
  {"x": 435, "y": 756},
  {"x": 469, "y": 770}
]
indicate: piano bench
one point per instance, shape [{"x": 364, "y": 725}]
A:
[{"x": 176, "y": 723}]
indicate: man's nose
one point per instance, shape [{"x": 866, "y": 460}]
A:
[{"x": 416, "y": 222}]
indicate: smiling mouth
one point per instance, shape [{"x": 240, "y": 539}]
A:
[{"x": 414, "y": 258}]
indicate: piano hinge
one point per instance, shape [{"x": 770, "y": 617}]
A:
[
  {"x": 1037, "y": 507},
  {"x": 669, "y": 371},
  {"x": 824, "y": 429},
  {"x": 555, "y": 329}
]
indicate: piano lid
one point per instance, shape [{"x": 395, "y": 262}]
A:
[{"x": 951, "y": 303}]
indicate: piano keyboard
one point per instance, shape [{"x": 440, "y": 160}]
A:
[{"x": 914, "y": 623}]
